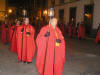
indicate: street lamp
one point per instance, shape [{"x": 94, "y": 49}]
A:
[
  {"x": 88, "y": 15},
  {"x": 10, "y": 11},
  {"x": 45, "y": 12},
  {"x": 50, "y": 14}
]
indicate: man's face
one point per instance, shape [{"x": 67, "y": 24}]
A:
[
  {"x": 18, "y": 23},
  {"x": 27, "y": 21},
  {"x": 6, "y": 21},
  {"x": 54, "y": 22}
]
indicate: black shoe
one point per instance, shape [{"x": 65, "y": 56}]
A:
[
  {"x": 24, "y": 61},
  {"x": 28, "y": 62}
]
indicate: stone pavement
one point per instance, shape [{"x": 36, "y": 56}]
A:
[{"x": 82, "y": 58}]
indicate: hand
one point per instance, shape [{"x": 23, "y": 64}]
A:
[
  {"x": 28, "y": 33},
  {"x": 58, "y": 40},
  {"x": 47, "y": 34}
]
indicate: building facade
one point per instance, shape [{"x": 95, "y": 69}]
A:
[
  {"x": 78, "y": 10},
  {"x": 2, "y": 9}
]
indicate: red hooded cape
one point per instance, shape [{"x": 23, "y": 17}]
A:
[
  {"x": 98, "y": 36},
  {"x": 11, "y": 33},
  {"x": 55, "y": 57},
  {"x": 62, "y": 29},
  {"x": 13, "y": 45},
  {"x": 70, "y": 31},
  {"x": 5, "y": 33},
  {"x": 25, "y": 43},
  {"x": 74, "y": 31},
  {"x": 81, "y": 32}
]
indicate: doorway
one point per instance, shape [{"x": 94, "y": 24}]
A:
[
  {"x": 72, "y": 16},
  {"x": 88, "y": 18}
]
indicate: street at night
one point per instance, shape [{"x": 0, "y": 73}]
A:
[
  {"x": 49, "y": 37},
  {"x": 82, "y": 58}
]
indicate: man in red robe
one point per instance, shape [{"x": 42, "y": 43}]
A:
[
  {"x": 13, "y": 45},
  {"x": 98, "y": 35},
  {"x": 5, "y": 32},
  {"x": 81, "y": 31},
  {"x": 63, "y": 29},
  {"x": 74, "y": 30},
  {"x": 70, "y": 30},
  {"x": 51, "y": 50},
  {"x": 11, "y": 30},
  {"x": 25, "y": 42}
]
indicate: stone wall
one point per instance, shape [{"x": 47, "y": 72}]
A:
[{"x": 79, "y": 10}]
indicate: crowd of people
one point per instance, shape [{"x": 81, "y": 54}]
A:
[
  {"x": 73, "y": 31},
  {"x": 77, "y": 31},
  {"x": 50, "y": 45}
]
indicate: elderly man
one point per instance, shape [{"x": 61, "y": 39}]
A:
[
  {"x": 13, "y": 31},
  {"x": 25, "y": 42},
  {"x": 51, "y": 50}
]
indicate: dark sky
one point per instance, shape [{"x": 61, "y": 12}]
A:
[
  {"x": 21, "y": 2},
  {"x": 14, "y": 2}
]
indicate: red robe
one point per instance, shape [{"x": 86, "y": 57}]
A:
[
  {"x": 13, "y": 45},
  {"x": 5, "y": 33},
  {"x": 53, "y": 62},
  {"x": 98, "y": 36},
  {"x": 74, "y": 31},
  {"x": 70, "y": 31},
  {"x": 25, "y": 43},
  {"x": 63, "y": 29},
  {"x": 11, "y": 32},
  {"x": 81, "y": 32}
]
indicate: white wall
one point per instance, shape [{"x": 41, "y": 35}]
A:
[
  {"x": 79, "y": 11},
  {"x": 96, "y": 18},
  {"x": 2, "y": 8}
]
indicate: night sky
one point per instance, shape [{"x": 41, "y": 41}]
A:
[
  {"x": 15, "y": 2},
  {"x": 18, "y": 3},
  {"x": 27, "y": 5}
]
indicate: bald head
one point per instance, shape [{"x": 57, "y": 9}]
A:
[
  {"x": 54, "y": 22},
  {"x": 26, "y": 21},
  {"x": 18, "y": 23}
]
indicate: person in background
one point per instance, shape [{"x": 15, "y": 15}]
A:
[
  {"x": 81, "y": 31},
  {"x": 25, "y": 42},
  {"x": 98, "y": 35},
  {"x": 5, "y": 32},
  {"x": 13, "y": 32}
]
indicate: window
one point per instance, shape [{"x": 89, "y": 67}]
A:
[
  {"x": 61, "y": 1},
  {"x": 61, "y": 14},
  {"x": 72, "y": 15},
  {"x": 73, "y": 0}
]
